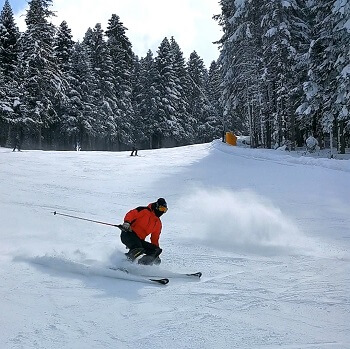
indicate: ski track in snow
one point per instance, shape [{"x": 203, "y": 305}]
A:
[{"x": 260, "y": 288}]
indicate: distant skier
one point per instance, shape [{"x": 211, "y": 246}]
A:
[
  {"x": 134, "y": 151},
  {"x": 138, "y": 224},
  {"x": 16, "y": 145},
  {"x": 17, "y": 142}
]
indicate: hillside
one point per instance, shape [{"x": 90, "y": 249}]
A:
[{"x": 269, "y": 231}]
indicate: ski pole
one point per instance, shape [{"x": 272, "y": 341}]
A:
[{"x": 88, "y": 220}]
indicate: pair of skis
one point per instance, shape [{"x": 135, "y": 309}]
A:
[
  {"x": 132, "y": 273},
  {"x": 160, "y": 279}
]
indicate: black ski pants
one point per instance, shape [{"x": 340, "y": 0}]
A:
[{"x": 131, "y": 241}]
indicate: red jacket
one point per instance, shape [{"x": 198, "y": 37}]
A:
[{"x": 144, "y": 222}]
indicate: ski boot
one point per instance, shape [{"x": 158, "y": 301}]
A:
[
  {"x": 152, "y": 258},
  {"x": 149, "y": 260},
  {"x": 134, "y": 253}
]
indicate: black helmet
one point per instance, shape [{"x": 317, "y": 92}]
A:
[{"x": 161, "y": 205}]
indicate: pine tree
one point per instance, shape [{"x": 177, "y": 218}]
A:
[
  {"x": 284, "y": 35},
  {"x": 41, "y": 82},
  {"x": 78, "y": 121},
  {"x": 9, "y": 35},
  {"x": 228, "y": 10},
  {"x": 167, "y": 130},
  {"x": 107, "y": 127},
  {"x": 214, "y": 95},
  {"x": 146, "y": 100},
  {"x": 240, "y": 59},
  {"x": 324, "y": 109},
  {"x": 199, "y": 105},
  {"x": 122, "y": 58},
  {"x": 262, "y": 63},
  {"x": 183, "y": 85},
  {"x": 341, "y": 37},
  {"x": 63, "y": 46},
  {"x": 310, "y": 109},
  {"x": 136, "y": 91},
  {"x": 63, "y": 49},
  {"x": 7, "y": 115}
]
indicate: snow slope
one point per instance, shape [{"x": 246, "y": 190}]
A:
[{"x": 269, "y": 231}]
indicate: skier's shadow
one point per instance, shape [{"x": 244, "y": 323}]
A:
[{"x": 108, "y": 286}]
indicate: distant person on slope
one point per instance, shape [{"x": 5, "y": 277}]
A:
[
  {"x": 134, "y": 151},
  {"x": 138, "y": 224}
]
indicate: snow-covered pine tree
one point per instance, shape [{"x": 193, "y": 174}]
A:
[
  {"x": 9, "y": 34},
  {"x": 318, "y": 86},
  {"x": 136, "y": 90},
  {"x": 63, "y": 49},
  {"x": 324, "y": 108},
  {"x": 284, "y": 33},
  {"x": 7, "y": 115},
  {"x": 200, "y": 109},
  {"x": 122, "y": 56},
  {"x": 263, "y": 64},
  {"x": 107, "y": 128},
  {"x": 228, "y": 9},
  {"x": 214, "y": 94},
  {"x": 301, "y": 38},
  {"x": 63, "y": 46},
  {"x": 167, "y": 131},
  {"x": 146, "y": 119},
  {"x": 41, "y": 83},
  {"x": 241, "y": 66},
  {"x": 341, "y": 36},
  {"x": 78, "y": 121},
  {"x": 186, "y": 132}
]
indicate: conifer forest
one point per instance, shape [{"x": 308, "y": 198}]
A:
[{"x": 282, "y": 74}]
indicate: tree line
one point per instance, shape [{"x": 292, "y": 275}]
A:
[
  {"x": 97, "y": 94},
  {"x": 286, "y": 70},
  {"x": 281, "y": 76}
]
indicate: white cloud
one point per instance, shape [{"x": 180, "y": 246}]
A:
[{"x": 148, "y": 22}]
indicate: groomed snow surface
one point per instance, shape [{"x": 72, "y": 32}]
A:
[{"x": 269, "y": 230}]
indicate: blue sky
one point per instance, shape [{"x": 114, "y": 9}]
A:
[
  {"x": 16, "y": 5},
  {"x": 148, "y": 22}
]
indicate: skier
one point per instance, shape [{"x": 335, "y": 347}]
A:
[
  {"x": 17, "y": 142},
  {"x": 138, "y": 224},
  {"x": 134, "y": 151}
]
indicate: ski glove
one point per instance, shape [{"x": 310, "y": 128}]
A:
[{"x": 126, "y": 226}]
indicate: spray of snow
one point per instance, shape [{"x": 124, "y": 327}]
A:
[{"x": 240, "y": 221}]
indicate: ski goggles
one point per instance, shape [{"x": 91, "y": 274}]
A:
[{"x": 162, "y": 208}]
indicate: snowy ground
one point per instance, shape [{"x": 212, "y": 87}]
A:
[{"x": 268, "y": 229}]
